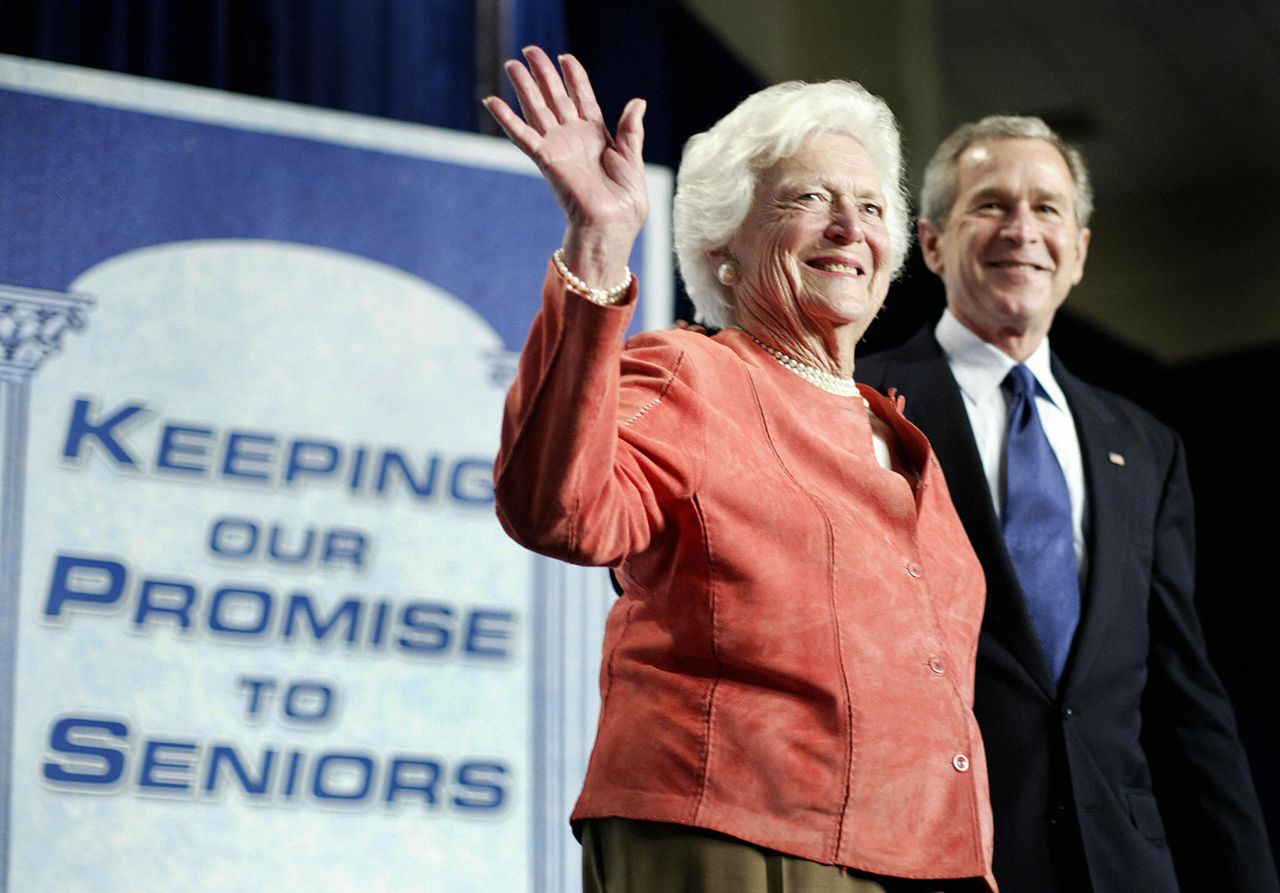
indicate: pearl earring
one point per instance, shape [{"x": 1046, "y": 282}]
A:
[{"x": 729, "y": 272}]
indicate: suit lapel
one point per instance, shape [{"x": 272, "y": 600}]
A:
[
  {"x": 1109, "y": 483},
  {"x": 919, "y": 372}
]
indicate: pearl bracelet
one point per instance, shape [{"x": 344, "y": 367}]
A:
[{"x": 602, "y": 296}]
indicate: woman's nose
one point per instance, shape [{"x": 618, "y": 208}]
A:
[{"x": 845, "y": 225}]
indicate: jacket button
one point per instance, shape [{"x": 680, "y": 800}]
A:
[
  {"x": 1067, "y": 713},
  {"x": 914, "y": 569},
  {"x": 960, "y": 762},
  {"x": 935, "y": 664}
]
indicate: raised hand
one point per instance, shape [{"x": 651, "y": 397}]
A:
[{"x": 597, "y": 178}]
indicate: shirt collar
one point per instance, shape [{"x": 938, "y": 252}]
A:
[{"x": 980, "y": 368}]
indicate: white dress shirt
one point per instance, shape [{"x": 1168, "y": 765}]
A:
[{"x": 980, "y": 368}]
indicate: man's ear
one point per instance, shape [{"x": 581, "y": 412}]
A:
[{"x": 930, "y": 235}]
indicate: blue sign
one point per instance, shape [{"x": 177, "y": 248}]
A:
[{"x": 259, "y": 628}]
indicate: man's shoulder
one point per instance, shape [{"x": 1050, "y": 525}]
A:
[
  {"x": 1111, "y": 403},
  {"x": 1102, "y": 414},
  {"x": 920, "y": 349}
]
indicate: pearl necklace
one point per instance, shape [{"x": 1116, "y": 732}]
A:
[{"x": 829, "y": 382}]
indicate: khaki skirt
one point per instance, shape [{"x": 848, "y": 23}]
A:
[{"x": 628, "y": 856}]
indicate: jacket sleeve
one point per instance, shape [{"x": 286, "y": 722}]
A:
[
  {"x": 597, "y": 441},
  {"x": 1200, "y": 772}
]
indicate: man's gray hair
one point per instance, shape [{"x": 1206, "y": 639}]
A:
[
  {"x": 718, "y": 172},
  {"x": 940, "y": 181}
]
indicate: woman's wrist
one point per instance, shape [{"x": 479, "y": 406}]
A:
[
  {"x": 604, "y": 295},
  {"x": 598, "y": 255}
]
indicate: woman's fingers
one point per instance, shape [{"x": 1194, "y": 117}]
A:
[
  {"x": 520, "y": 133},
  {"x": 532, "y": 103},
  {"x": 595, "y": 177},
  {"x": 631, "y": 130},
  {"x": 546, "y": 98},
  {"x": 624, "y": 161},
  {"x": 580, "y": 91},
  {"x": 554, "y": 95}
]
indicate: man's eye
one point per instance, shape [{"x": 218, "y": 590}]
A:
[
  {"x": 810, "y": 197},
  {"x": 1049, "y": 209},
  {"x": 871, "y": 209}
]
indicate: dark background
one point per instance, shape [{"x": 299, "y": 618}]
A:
[{"x": 430, "y": 61}]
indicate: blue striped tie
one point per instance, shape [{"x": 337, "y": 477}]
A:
[{"x": 1037, "y": 523}]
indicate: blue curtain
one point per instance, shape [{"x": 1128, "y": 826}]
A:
[{"x": 415, "y": 60}]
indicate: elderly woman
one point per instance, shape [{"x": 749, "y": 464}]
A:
[{"x": 787, "y": 678}]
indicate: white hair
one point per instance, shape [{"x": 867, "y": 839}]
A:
[
  {"x": 718, "y": 172},
  {"x": 941, "y": 181}
]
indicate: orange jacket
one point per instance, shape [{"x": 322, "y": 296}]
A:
[{"x": 792, "y": 660}]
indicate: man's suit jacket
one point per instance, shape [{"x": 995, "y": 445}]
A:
[{"x": 1128, "y": 775}]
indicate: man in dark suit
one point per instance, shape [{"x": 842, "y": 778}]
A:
[{"x": 1114, "y": 760}]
